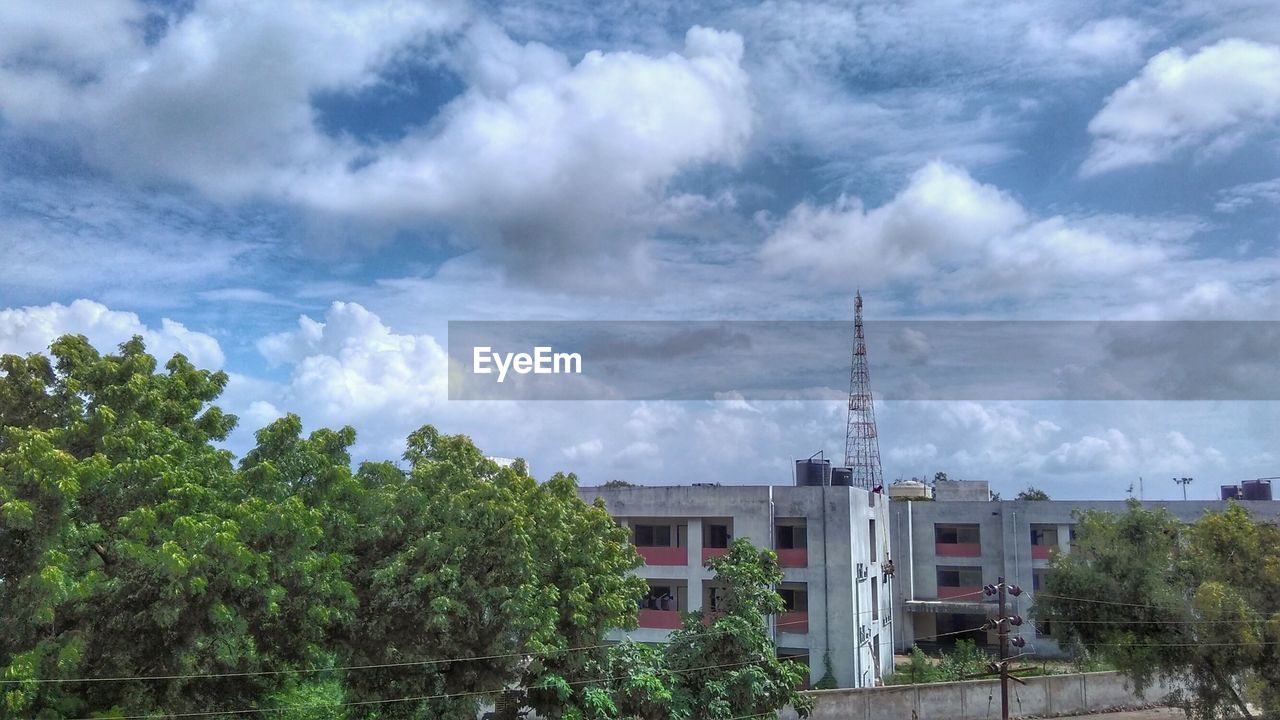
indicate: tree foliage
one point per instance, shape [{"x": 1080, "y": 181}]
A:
[
  {"x": 728, "y": 668},
  {"x": 1197, "y": 604},
  {"x": 131, "y": 545},
  {"x": 1032, "y": 493}
]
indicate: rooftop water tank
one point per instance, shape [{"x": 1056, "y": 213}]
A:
[
  {"x": 842, "y": 477},
  {"x": 813, "y": 472},
  {"x": 1255, "y": 490},
  {"x": 908, "y": 488}
]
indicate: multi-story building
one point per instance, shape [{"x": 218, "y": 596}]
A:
[
  {"x": 947, "y": 549},
  {"x": 832, "y": 543}
]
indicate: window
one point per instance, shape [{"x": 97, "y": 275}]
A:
[
  {"x": 660, "y": 597},
  {"x": 956, "y": 534},
  {"x": 872, "y": 534},
  {"x": 715, "y": 598},
  {"x": 1038, "y": 579},
  {"x": 875, "y": 597},
  {"x": 791, "y": 536},
  {"x": 795, "y": 597},
  {"x": 653, "y": 536},
  {"x": 1044, "y": 535},
  {"x": 959, "y": 577},
  {"x": 715, "y": 535},
  {"x": 1044, "y": 628}
]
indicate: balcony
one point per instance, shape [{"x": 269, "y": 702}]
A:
[
  {"x": 971, "y": 594},
  {"x": 664, "y": 555},
  {"x": 710, "y": 616},
  {"x": 1040, "y": 552},
  {"x": 957, "y": 549},
  {"x": 710, "y": 552},
  {"x": 795, "y": 622},
  {"x": 794, "y": 557},
  {"x": 660, "y": 619}
]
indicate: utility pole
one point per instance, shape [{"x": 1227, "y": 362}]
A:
[
  {"x": 1002, "y": 625},
  {"x": 1184, "y": 482}
]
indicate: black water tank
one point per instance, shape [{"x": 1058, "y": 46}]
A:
[
  {"x": 842, "y": 477},
  {"x": 813, "y": 472},
  {"x": 1255, "y": 490},
  {"x": 1230, "y": 491}
]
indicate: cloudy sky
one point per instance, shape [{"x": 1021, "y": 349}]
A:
[{"x": 305, "y": 193}]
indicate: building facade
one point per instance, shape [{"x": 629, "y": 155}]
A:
[
  {"x": 946, "y": 550},
  {"x": 832, "y": 543}
]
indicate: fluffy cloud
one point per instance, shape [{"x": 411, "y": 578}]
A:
[
  {"x": 540, "y": 159},
  {"x": 549, "y": 161},
  {"x": 32, "y": 329},
  {"x": 1211, "y": 99},
  {"x": 351, "y": 369},
  {"x": 975, "y": 239},
  {"x": 222, "y": 100},
  {"x": 1109, "y": 41}
]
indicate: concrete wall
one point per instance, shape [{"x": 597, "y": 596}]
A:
[{"x": 1050, "y": 696}]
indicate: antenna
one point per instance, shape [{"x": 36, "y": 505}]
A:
[
  {"x": 861, "y": 443},
  {"x": 1184, "y": 482}
]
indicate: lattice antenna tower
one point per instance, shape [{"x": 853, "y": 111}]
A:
[{"x": 861, "y": 443}]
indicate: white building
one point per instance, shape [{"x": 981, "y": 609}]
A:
[
  {"x": 833, "y": 545},
  {"x": 949, "y": 547}
]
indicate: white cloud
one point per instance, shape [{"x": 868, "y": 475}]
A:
[
  {"x": 32, "y": 329},
  {"x": 1242, "y": 196},
  {"x": 1211, "y": 99},
  {"x": 1105, "y": 42},
  {"x": 557, "y": 164},
  {"x": 149, "y": 247},
  {"x": 222, "y": 100},
  {"x": 351, "y": 369},
  {"x": 966, "y": 238},
  {"x": 585, "y": 449},
  {"x": 553, "y": 164}
]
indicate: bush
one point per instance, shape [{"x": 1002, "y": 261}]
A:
[{"x": 965, "y": 661}]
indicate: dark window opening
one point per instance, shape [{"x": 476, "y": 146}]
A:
[
  {"x": 792, "y": 537},
  {"x": 957, "y": 534},
  {"x": 716, "y": 536},
  {"x": 653, "y": 536},
  {"x": 959, "y": 577}
]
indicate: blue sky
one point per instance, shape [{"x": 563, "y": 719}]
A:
[{"x": 305, "y": 193}]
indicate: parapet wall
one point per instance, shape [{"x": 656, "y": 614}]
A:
[{"x": 1048, "y": 696}]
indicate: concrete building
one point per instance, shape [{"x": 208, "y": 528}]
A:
[
  {"x": 946, "y": 550},
  {"x": 833, "y": 545}
]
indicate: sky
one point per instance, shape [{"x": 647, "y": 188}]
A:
[{"x": 304, "y": 194}]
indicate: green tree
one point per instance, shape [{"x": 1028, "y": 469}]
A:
[
  {"x": 129, "y": 545},
  {"x": 728, "y": 668},
  {"x": 1032, "y": 493},
  {"x": 583, "y": 563},
  {"x": 1198, "y": 604},
  {"x": 489, "y": 575}
]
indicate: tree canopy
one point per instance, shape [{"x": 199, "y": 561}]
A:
[
  {"x": 132, "y": 547},
  {"x": 1197, "y": 604},
  {"x": 1032, "y": 493}
]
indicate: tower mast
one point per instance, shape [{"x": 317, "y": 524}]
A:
[{"x": 861, "y": 444}]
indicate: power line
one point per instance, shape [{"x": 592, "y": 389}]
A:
[
  {"x": 415, "y": 698},
  {"x": 336, "y": 668}
]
